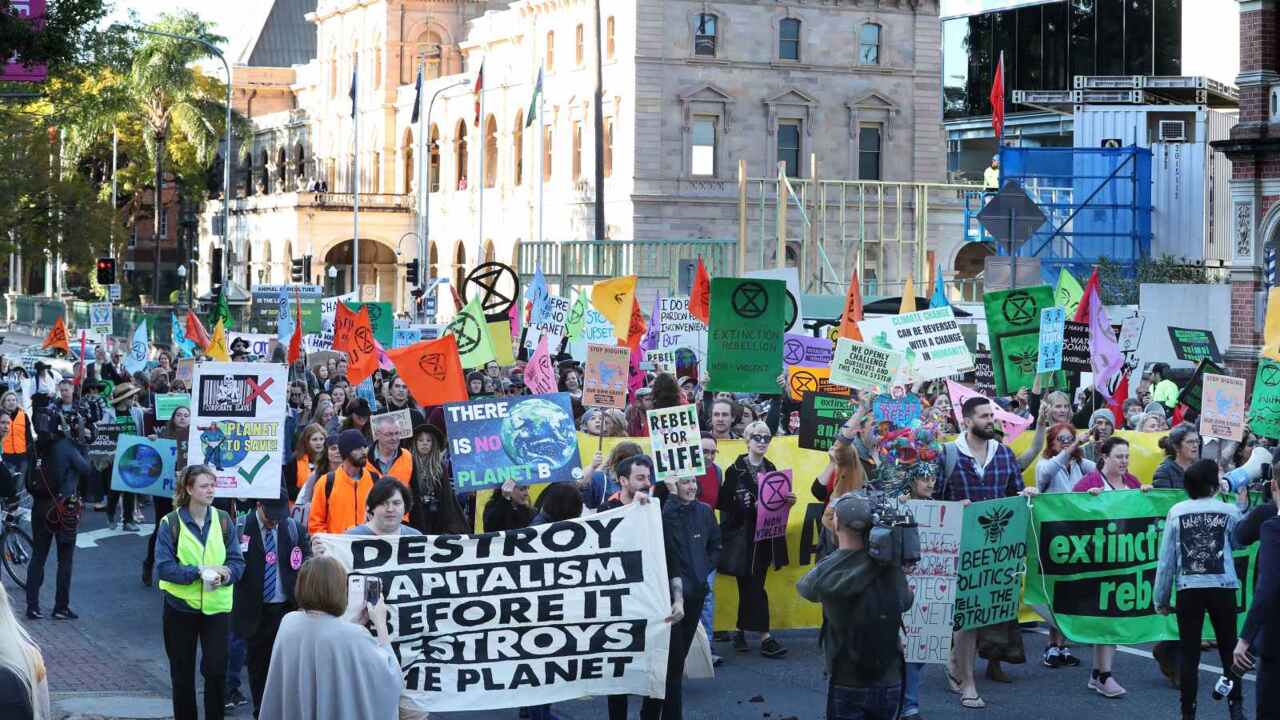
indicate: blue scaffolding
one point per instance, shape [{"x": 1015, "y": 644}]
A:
[{"x": 1098, "y": 204}]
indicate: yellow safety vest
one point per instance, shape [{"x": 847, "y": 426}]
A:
[{"x": 212, "y": 553}]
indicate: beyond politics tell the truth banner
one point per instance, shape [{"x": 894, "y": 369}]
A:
[{"x": 528, "y": 617}]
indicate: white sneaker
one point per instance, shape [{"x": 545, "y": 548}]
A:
[{"x": 1107, "y": 688}]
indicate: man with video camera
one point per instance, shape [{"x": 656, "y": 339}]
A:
[
  {"x": 61, "y": 426},
  {"x": 863, "y": 599}
]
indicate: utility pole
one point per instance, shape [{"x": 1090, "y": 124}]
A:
[{"x": 599, "y": 113}]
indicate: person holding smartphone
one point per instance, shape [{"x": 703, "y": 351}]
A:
[{"x": 1260, "y": 635}]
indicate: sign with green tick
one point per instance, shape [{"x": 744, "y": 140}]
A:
[{"x": 238, "y": 413}]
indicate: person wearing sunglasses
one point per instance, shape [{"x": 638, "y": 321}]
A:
[
  {"x": 1059, "y": 469},
  {"x": 750, "y": 560}
]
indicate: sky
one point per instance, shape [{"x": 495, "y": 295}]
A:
[{"x": 229, "y": 16}]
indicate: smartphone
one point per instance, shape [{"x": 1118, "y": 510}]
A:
[
  {"x": 372, "y": 590},
  {"x": 355, "y": 593}
]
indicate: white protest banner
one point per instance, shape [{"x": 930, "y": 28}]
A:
[
  {"x": 596, "y": 329},
  {"x": 679, "y": 329},
  {"x": 858, "y": 365},
  {"x": 930, "y": 340},
  {"x": 527, "y": 617},
  {"x": 258, "y": 342},
  {"x": 676, "y": 442},
  {"x": 237, "y": 425},
  {"x": 329, "y": 309},
  {"x": 100, "y": 318},
  {"x": 933, "y": 581},
  {"x": 1053, "y": 328},
  {"x": 1222, "y": 401},
  {"x": 313, "y": 343},
  {"x": 552, "y": 323},
  {"x": 400, "y": 418}
]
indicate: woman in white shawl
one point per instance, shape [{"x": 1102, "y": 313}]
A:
[
  {"x": 24, "y": 687},
  {"x": 324, "y": 667}
]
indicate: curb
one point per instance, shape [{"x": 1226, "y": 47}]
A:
[{"x": 110, "y": 706}]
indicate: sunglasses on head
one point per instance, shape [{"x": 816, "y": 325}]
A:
[{"x": 759, "y": 438}]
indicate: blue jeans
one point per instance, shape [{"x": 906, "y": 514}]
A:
[
  {"x": 911, "y": 690},
  {"x": 236, "y": 649},
  {"x": 879, "y": 702},
  {"x": 709, "y": 605}
]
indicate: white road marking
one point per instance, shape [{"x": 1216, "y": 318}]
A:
[
  {"x": 90, "y": 539},
  {"x": 1214, "y": 669}
]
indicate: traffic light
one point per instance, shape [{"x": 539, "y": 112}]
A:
[
  {"x": 106, "y": 271},
  {"x": 299, "y": 270},
  {"x": 411, "y": 272}
]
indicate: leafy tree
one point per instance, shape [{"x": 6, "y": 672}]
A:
[
  {"x": 1120, "y": 286},
  {"x": 63, "y": 37}
]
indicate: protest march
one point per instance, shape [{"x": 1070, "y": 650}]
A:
[{"x": 632, "y": 501}]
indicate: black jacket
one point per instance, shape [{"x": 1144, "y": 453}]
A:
[
  {"x": 1249, "y": 529},
  {"x": 443, "y": 515},
  {"x": 737, "y": 506},
  {"x": 1262, "y": 626},
  {"x": 502, "y": 514},
  {"x": 63, "y": 466},
  {"x": 246, "y": 609},
  {"x": 693, "y": 539}
]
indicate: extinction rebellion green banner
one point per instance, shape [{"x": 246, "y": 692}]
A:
[{"x": 1091, "y": 565}]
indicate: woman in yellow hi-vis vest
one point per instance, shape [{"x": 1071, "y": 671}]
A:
[{"x": 198, "y": 559}]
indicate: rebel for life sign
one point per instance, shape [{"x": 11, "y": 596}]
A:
[
  {"x": 237, "y": 425},
  {"x": 773, "y": 509},
  {"x": 929, "y": 340},
  {"x": 527, "y": 617},
  {"x": 676, "y": 442},
  {"x": 859, "y": 365},
  {"x": 1194, "y": 345},
  {"x": 821, "y": 417},
  {"x": 927, "y": 625},
  {"x": 529, "y": 439},
  {"x": 1013, "y": 327},
  {"x": 993, "y": 552},
  {"x": 744, "y": 342}
]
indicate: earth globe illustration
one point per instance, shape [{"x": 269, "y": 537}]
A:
[
  {"x": 539, "y": 431},
  {"x": 140, "y": 466}
]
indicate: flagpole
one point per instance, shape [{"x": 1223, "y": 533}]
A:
[
  {"x": 355, "y": 198},
  {"x": 424, "y": 190},
  {"x": 480, "y": 189},
  {"x": 542, "y": 152}
]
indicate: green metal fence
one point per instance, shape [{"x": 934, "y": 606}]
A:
[
  {"x": 41, "y": 314},
  {"x": 656, "y": 263}
]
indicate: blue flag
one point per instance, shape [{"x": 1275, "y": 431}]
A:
[
  {"x": 538, "y": 295},
  {"x": 939, "y": 298},
  {"x": 186, "y": 348},
  {"x": 136, "y": 359},
  {"x": 285, "y": 323}
]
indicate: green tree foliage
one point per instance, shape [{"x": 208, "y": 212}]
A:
[
  {"x": 64, "y": 37},
  {"x": 1120, "y": 287}
]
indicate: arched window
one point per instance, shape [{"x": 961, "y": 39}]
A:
[
  {"x": 433, "y": 159},
  {"x": 490, "y": 254},
  {"x": 428, "y": 45},
  {"x": 460, "y": 155},
  {"x": 406, "y": 152},
  {"x": 577, "y": 150},
  {"x": 300, "y": 164},
  {"x": 551, "y": 51},
  {"x": 704, "y": 35},
  {"x": 869, "y": 44},
  {"x": 517, "y": 149},
  {"x": 265, "y": 177},
  {"x": 789, "y": 39},
  {"x": 433, "y": 260},
  {"x": 282, "y": 170},
  {"x": 459, "y": 265},
  {"x": 490, "y": 151}
]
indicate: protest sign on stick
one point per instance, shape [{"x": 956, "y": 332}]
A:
[
  {"x": 144, "y": 466},
  {"x": 858, "y": 365},
  {"x": 993, "y": 550},
  {"x": 772, "y": 509},
  {"x": 605, "y": 383},
  {"x": 1264, "y": 407},
  {"x": 930, "y": 341},
  {"x": 676, "y": 443},
  {"x": 1013, "y": 327},
  {"x": 821, "y": 417},
  {"x": 1194, "y": 344},
  {"x": 529, "y": 439},
  {"x": 1052, "y": 328},
  {"x": 529, "y": 617},
  {"x": 744, "y": 341},
  {"x": 927, "y": 625},
  {"x": 166, "y": 403},
  {"x": 801, "y": 380},
  {"x": 237, "y": 426},
  {"x": 1222, "y": 407}
]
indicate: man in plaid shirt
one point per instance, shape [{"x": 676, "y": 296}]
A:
[{"x": 977, "y": 468}]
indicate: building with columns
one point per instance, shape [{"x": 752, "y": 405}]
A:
[
  {"x": 1254, "y": 151},
  {"x": 689, "y": 88}
]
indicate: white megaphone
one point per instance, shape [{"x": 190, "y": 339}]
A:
[{"x": 1250, "y": 471}]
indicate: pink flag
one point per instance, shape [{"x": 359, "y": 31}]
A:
[
  {"x": 384, "y": 361},
  {"x": 1014, "y": 425},
  {"x": 538, "y": 375},
  {"x": 513, "y": 314},
  {"x": 1104, "y": 352}
]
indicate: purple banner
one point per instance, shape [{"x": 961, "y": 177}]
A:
[
  {"x": 806, "y": 351},
  {"x": 772, "y": 507}
]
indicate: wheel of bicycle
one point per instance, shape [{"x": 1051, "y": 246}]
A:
[{"x": 16, "y": 555}]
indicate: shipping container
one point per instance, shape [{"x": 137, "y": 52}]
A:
[{"x": 1190, "y": 190}]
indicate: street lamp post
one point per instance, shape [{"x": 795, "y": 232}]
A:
[
  {"x": 424, "y": 182},
  {"x": 226, "y": 158}
]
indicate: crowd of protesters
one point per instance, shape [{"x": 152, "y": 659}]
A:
[{"x": 242, "y": 580}]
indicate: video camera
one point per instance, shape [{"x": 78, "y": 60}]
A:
[{"x": 894, "y": 537}]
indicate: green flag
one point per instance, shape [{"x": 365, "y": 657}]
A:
[
  {"x": 1068, "y": 293},
  {"x": 577, "y": 317},
  {"x": 475, "y": 345},
  {"x": 533, "y": 101},
  {"x": 744, "y": 339},
  {"x": 222, "y": 312}
]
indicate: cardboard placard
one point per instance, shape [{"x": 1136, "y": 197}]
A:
[
  {"x": 899, "y": 407},
  {"x": 821, "y": 417},
  {"x": 930, "y": 341},
  {"x": 676, "y": 442},
  {"x": 801, "y": 380},
  {"x": 1264, "y": 406},
  {"x": 144, "y": 466},
  {"x": 1052, "y": 329},
  {"x": 403, "y": 420},
  {"x": 772, "y": 508},
  {"x": 605, "y": 382},
  {"x": 1075, "y": 348},
  {"x": 166, "y": 403},
  {"x": 237, "y": 426},
  {"x": 806, "y": 351},
  {"x": 528, "y": 439},
  {"x": 744, "y": 342},
  {"x": 933, "y": 581},
  {"x": 859, "y": 365},
  {"x": 1222, "y": 407},
  {"x": 1013, "y": 327},
  {"x": 993, "y": 552}
]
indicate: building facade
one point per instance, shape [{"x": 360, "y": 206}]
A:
[{"x": 688, "y": 89}]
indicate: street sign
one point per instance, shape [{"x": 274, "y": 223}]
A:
[
  {"x": 113, "y": 292},
  {"x": 1012, "y": 217}
]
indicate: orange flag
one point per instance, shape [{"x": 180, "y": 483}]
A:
[
  {"x": 353, "y": 335},
  {"x": 637, "y": 328},
  {"x": 852, "y": 312},
  {"x": 700, "y": 295},
  {"x": 57, "y": 337},
  {"x": 432, "y": 369},
  {"x": 195, "y": 331}
]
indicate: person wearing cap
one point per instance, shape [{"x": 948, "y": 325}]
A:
[
  {"x": 862, "y": 605},
  {"x": 357, "y": 418},
  {"x": 274, "y": 547},
  {"x": 991, "y": 176},
  {"x": 239, "y": 349},
  {"x": 1102, "y": 425},
  {"x": 338, "y": 498},
  {"x": 386, "y": 455}
]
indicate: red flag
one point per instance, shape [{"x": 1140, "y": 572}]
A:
[
  {"x": 353, "y": 335},
  {"x": 80, "y": 365},
  {"x": 1082, "y": 312},
  {"x": 637, "y": 328},
  {"x": 295, "y": 340},
  {"x": 432, "y": 370},
  {"x": 479, "y": 87},
  {"x": 57, "y": 337},
  {"x": 700, "y": 296},
  {"x": 1116, "y": 405},
  {"x": 195, "y": 331},
  {"x": 997, "y": 100},
  {"x": 1178, "y": 412}
]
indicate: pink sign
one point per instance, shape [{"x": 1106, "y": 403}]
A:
[
  {"x": 538, "y": 375},
  {"x": 1014, "y": 425},
  {"x": 772, "y": 508},
  {"x": 14, "y": 71}
]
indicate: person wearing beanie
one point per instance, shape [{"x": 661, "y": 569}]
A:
[
  {"x": 1102, "y": 425},
  {"x": 338, "y": 498}
]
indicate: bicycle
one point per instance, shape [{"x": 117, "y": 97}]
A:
[{"x": 15, "y": 542}]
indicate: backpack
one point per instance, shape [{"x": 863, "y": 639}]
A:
[
  {"x": 328, "y": 482},
  {"x": 172, "y": 518},
  {"x": 950, "y": 458}
]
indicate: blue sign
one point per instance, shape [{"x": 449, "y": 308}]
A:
[
  {"x": 144, "y": 466},
  {"x": 1053, "y": 325},
  {"x": 404, "y": 337},
  {"x": 528, "y": 439}
]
